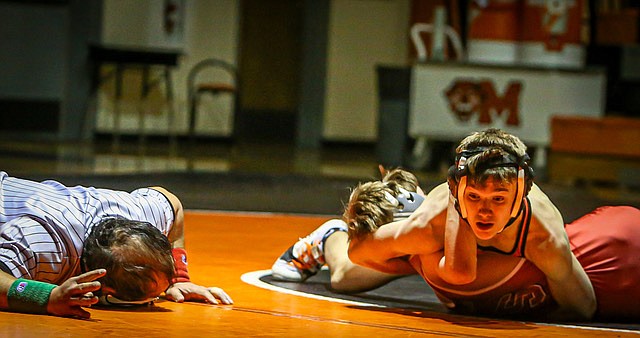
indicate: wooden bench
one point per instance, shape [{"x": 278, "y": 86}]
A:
[{"x": 595, "y": 150}]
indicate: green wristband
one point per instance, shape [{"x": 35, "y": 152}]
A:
[{"x": 29, "y": 296}]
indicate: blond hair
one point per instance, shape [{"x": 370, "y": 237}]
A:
[{"x": 369, "y": 205}]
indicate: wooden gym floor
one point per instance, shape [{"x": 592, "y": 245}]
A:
[
  {"x": 222, "y": 247},
  {"x": 301, "y": 189}
]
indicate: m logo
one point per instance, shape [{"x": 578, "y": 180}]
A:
[{"x": 467, "y": 98}]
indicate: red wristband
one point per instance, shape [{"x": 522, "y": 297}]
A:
[{"x": 180, "y": 262}]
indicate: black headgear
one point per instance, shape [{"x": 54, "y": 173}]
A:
[
  {"x": 458, "y": 173},
  {"x": 405, "y": 203}
]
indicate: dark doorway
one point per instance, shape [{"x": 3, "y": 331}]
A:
[{"x": 269, "y": 70}]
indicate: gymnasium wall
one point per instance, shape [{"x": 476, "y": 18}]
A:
[{"x": 46, "y": 72}]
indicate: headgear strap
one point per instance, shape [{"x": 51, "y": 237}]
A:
[
  {"x": 405, "y": 203},
  {"x": 459, "y": 172}
]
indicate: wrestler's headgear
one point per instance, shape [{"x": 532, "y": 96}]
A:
[
  {"x": 458, "y": 174},
  {"x": 404, "y": 204}
]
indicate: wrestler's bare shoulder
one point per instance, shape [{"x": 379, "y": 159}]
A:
[
  {"x": 433, "y": 210},
  {"x": 441, "y": 191},
  {"x": 546, "y": 236},
  {"x": 546, "y": 216}
]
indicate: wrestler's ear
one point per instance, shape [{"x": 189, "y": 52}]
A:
[{"x": 383, "y": 171}]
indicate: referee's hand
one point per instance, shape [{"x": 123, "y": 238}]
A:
[
  {"x": 180, "y": 292},
  {"x": 69, "y": 298}
]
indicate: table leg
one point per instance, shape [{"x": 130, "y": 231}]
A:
[
  {"x": 144, "y": 94},
  {"x": 170, "y": 112},
  {"x": 117, "y": 110}
]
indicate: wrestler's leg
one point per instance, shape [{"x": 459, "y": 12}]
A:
[
  {"x": 306, "y": 256},
  {"x": 328, "y": 244},
  {"x": 606, "y": 242}
]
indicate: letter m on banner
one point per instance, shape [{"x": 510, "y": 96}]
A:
[{"x": 468, "y": 98}]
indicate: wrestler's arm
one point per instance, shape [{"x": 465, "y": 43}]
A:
[
  {"x": 5, "y": 282},
  {"x": 458, "y": 265},
  {"x": 382, "y": 249},
  {"x": 182, "y": 291},
  {"x": 551, "y": 253}
]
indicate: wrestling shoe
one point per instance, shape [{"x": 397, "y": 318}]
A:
[{"x": 306, "y": 257}]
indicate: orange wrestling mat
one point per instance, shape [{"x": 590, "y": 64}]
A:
[{"x": 227, "y": 248}]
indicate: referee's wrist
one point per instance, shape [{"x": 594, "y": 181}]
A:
[
  {"x": 181, "y": 274},
  {"x": 29, "y": 296}
]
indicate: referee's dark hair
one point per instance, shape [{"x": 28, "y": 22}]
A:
[{"x": 132, "y": 252}]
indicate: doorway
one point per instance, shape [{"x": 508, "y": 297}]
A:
[{"x": 269, "y": 70}]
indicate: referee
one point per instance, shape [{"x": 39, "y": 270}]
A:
[{"x": 65, "y": 248}]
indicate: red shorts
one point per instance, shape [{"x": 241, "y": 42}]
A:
[{"x": 606, "y": 242}]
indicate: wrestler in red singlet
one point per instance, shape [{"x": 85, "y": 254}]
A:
[{"x": 606, "y": 242}]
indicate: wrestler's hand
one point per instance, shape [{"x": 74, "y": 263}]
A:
[
  {"x": 187, "y": 291},
  {"x": 69, "y": 298}
]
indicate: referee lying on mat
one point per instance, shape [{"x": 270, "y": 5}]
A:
[{"x": 65, "y": 248}]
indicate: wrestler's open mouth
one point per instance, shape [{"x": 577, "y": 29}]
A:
[{"x": 483, "y": 225}]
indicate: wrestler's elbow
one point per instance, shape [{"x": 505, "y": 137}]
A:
[
  {"x": 455, "y": 275},
  {"x": 584, "y": 309},
  {"x": 578, "y": 315},
  {"x": 591, "y": 309}
]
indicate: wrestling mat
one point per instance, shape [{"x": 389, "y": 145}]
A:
[{"x": 408, "y": 294}]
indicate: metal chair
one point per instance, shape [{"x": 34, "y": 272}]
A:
[{"x": 197, "y": 86}]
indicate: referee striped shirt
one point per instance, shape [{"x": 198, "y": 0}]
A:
[{"x": 43, "y": 225}]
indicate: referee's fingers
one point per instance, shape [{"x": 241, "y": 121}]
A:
[
  {"x": 82, "y": 288},
  {"x": 77, "y": 311},
  {"x": 221, "y": 295},
  {"x": 84, "y": 301},
  {"x": 91, "y": 275}
]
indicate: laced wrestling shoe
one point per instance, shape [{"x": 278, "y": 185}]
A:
[{"x": 306, "y": 257}]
